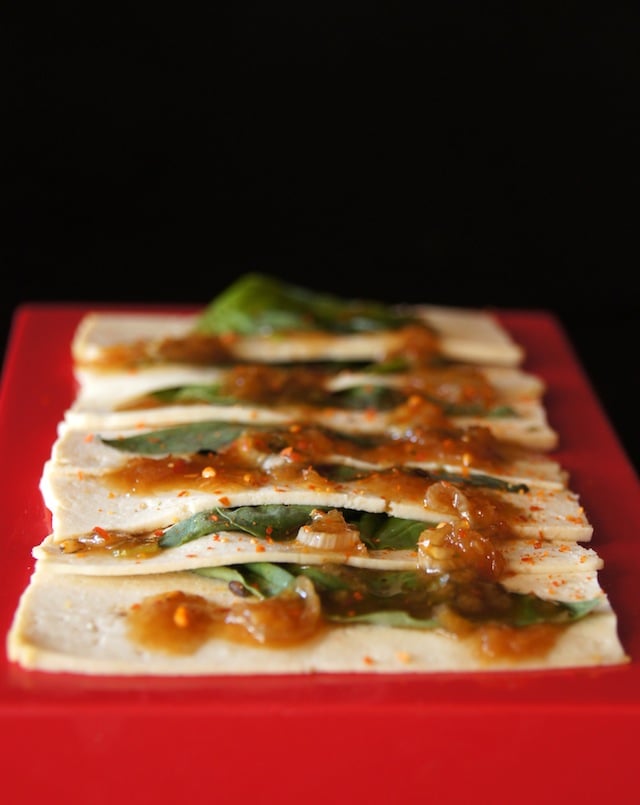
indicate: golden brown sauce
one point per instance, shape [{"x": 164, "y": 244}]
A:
[
  {"x": 224, "y": 474},
  {"x": 264, "y": 384},
  {"x": 308, "y": 387},
  {"x": 455, "y": 548},
  {"x": 179, "y": 622},
  {"x": 197, "y": 349},
  {"x": 473, "y": 447},
  {"x": 294, "y": 449},
  {"x": 493, "y": 640},
  {"x": 415, "y": 343},
  {"x": 454, "y": 384},
  {"x": 206, "y": 473},
  {"x": 269, "y": 384},
  {"x": 499, "y": 641},
  {"x": 113, "y": 543}
]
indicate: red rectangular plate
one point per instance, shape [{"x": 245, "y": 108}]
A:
[{"x": 543, "y": 736}]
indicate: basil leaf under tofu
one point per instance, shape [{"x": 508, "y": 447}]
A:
[
  {"x": 280, "y": 522},
  {"x": 259, "y": 304},
  {"x": 191, "y": 437},
  {"x": 344, "y": 473},
  {"x": 381, "y": 532},
  {"x": 404, "y": 599},
  {"x": 212, "y": 394},
  {"x": 275, "y": 521},
  {"x": 459, "y": 409},
  {"x": 261, "y": 579},
  {"x": 355, "y": 398}
]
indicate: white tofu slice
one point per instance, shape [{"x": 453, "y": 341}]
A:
[
  {"x": 523, "y": 557},
  {"x": 464, "y": 335},
  {"x": 78, "y": 624},
  {"x": 85, "y": 451},
  {"x": 528, "y": 426},
  {"x": 79, "y": 503},
  {"x": 107, "y": 390}
]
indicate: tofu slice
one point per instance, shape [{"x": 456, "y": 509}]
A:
[
  {"x": 464, "y": 335},
  {"x": 78, "y": 503},
  {"x": 523, "y": 557},
  {"x": 86, "y": 451},
  {"x": 77, "y": 624}
]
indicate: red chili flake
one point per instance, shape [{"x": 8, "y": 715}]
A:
[
  {"x": 228, "y": 339},
  {"x": 224, "y": 500}
]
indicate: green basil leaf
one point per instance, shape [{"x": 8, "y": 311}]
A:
[
  {"x": 276, "y": 521},
  {"x": 203, "y": 394},
  {"x": 258, "y": 303},
  {"x": 474, "y": 409},
  {"x": 363, "y": 398},
  {"x": 401, "y": 599},
  {"x": 188, "y": 438},
  {"x": 381, "y": 532},
  {"x": 261, "y": 579},
  {"x": 231, "y": 575},
  {"x": 395, "y": 618}
]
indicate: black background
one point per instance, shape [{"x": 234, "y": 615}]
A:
[{"x": 480, "y": 154}]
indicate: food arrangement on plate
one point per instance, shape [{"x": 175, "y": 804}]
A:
[{"x": 292, "y": 482}]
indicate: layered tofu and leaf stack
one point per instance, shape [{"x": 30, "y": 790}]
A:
[{"x": 294, "y": 482}]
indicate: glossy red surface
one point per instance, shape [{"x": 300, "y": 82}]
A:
[{"x": 486, "y": 737}]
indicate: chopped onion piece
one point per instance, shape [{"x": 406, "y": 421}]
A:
[{"x": 329, "y": 531}]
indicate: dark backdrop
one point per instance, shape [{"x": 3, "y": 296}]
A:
[{"x": 480, "y": 155}]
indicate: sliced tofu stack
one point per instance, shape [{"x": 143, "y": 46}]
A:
[
  {"x": 294, "y": 483},
  {"x": 506, "y": 400}
]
